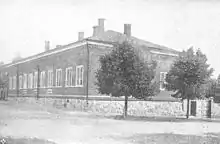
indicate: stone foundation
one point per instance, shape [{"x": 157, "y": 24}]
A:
[{"x": 135, "y": 108}]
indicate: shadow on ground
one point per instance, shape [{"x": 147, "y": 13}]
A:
[{"x": 169, "y": 138}]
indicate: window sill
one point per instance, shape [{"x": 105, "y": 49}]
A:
[
  {"x": 79, "y": 86},
  {"x": 57, "y": 87},
  {"x": 72, "y": 86}
]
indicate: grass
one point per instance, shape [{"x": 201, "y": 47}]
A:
[
  {"x": 168, "y": 138},
  {"x": 10, "y": 140}
]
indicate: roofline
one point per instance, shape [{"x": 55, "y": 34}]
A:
[
  {"x": 66, "y": 47},
  {"x": 161, "y": 53}
]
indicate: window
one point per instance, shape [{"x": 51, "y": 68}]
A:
[
  {"x": 50, "y": 78},
  {"x": 162, "y": 80},
  {"x": 42, "y": 79},
  {"x": 25, "y": 81},
  {"x": 59, "y": 77},
  {"x": 35, "y": 79},
  {"x": 30, "y": 80},
  {"x": 10, "y": 83},
  {"x": 20, "y": 82},
  {"x": 14, "y": 82},
  {"x": 69, "y": 77},
  {"x": 79, "y": 75}
]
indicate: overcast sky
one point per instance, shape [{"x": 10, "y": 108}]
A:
[{"x": 26, "y": 24}]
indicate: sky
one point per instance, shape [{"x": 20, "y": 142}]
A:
[{"x": 26, "y": 24}]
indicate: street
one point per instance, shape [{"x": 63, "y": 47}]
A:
[{"x": 65, "y": 127}]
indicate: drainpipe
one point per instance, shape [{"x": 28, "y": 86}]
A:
[{"x": 87, "y": 82}]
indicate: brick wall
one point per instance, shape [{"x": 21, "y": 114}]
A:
[{"x": 72, "y": 57}]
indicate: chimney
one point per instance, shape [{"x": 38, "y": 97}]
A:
[
  {"x": 101, "y": 25},
  {"x": 95, "y": 30},
  {"x": 80, "y": 36},
  {"x": 47, "y": 45},
  {"x": 127, "y": 29}
]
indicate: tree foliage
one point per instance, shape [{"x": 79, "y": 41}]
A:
[
  {"x": 218, "y": 80},
  {"x": 124, "y": 72},
  {"x": 188, "y": 74}
]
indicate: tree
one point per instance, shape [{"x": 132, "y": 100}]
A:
[
  {"x": 188, "y": 73},
  {"x": 218, "y": 80},
  {"x": 124, "y": 72}
]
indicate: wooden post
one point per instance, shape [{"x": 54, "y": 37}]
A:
[{"x": 87, "y": 82}]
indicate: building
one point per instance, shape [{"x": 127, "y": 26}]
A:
[{"x": 69, "y": 70}]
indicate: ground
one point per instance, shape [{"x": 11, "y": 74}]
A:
[{"x": 65, "y": 127}]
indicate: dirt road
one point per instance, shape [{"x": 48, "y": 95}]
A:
[{"x": 20, "y": 120}]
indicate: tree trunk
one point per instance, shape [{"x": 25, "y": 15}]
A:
[
  {"x": 126, "y": 106},
  {"x": 187, "y": 112}
]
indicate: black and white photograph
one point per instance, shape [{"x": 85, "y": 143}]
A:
[{"x": 109, "y": 72}]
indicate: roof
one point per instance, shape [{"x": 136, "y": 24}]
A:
[
  {"x": 59, "y": 49},
  {"x": 109, "y": 37},
  {"x": 115, "y": 37}
]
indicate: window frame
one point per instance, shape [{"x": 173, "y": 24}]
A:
[
  {"x": 10, "y": 82},
  {"x": 49, "y": 79},
  {"x": 20, "y": 81},
  {"x": 61, "y": 79},
  {"x": 162, "y": 81},
  {"x": 30, "y": 80},
  {"x": 69, "y": 78},
  {"x": 43, "y": 79},
  {"x": 14, "y": 82},
  {"x": 24, "y": 81},
  {"x": 35, "y": 79},
  {"x": 78, "y": 76}
]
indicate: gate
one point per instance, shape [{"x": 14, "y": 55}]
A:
[
  {"x": 193, "y": 108},
  {"x": 209, "y": 110}
]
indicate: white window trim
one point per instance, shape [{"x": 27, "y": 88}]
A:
[
  {"x": 43, "y": 77},
  {"x": 30, "y": 80},
  {"x": 10, "y": 83},
  {"x": 35, "y": 79},
  {"x": 23, "y": 82},
  {"x": 20, "y": 81},
  {"x": 71, "y": 79},
  {"x": 57, "y": 70},
  {"x": 78, "y": 67},
  {"x": 50, "y": 85},
  {"x": 14, "y": 79},
  {"x": 165, "y": 73}
]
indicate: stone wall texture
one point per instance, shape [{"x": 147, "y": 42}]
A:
[{"x": 135, "y": 108}]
